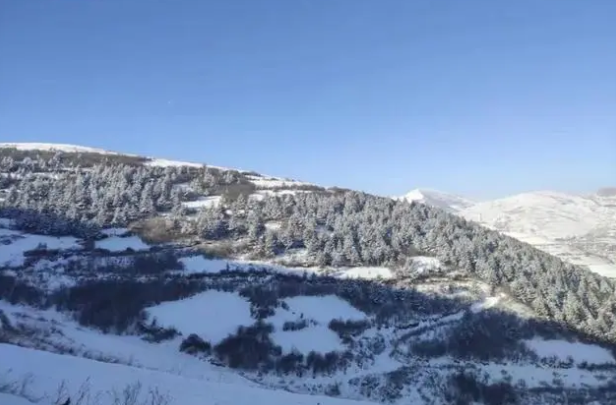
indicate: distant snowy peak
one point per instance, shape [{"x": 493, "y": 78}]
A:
[
  {"x": 548, "y": 214},
  {"x": 51, "y": 147},
  {"x": 448, "y": 202}
]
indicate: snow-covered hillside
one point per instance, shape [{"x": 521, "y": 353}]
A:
[
  {"x": 580, "y": 229},
  {"x": 53, "y": 147},
  {"x": 233, "y": 287},
  {"x": 448, "y": 202}
]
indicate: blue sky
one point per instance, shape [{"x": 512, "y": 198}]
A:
[{"x": 478, "y": 97}]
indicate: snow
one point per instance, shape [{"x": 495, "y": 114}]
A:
[
  {"x": 486, "y": 303},
  {"x": 426, "y": 263},
  {"x": 369, "y": 273},
  {"x": 207, "y": 202},
  {"x": 213, "y": 315},
  {"x": 605, "y": 270},
  {"x": 119, "y": 244},
  {"x": 20, "y": 243},
  {"x": 50, "y": 147},
  {"x": 199, "y": 264},
  {"x": 546, "y": 214},
  {"x": 49, "y": 370},
  {"x": 448, "y": 202},
  {"x": 321, "y": 309},
  {"x": 315, "y": 337},
  {"x": 128, "y": 350},
  {"x": 114, "y": 231},
  {"x": 562, "y": 349},
  {"x": 168, "y": 163},
  {"x": 13, "y": 400},
  {"x": 275, "y": 182},
  {"x": 576, "y": 228}
]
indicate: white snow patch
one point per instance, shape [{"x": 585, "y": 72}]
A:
[
  {"x": 49, "y": 370},
  {"x": 171, "y": 163},
  {"x": 212, "y": 315},
  {"x": 605, "y": 270},
  {"x": 119, "y": 244},
  {"x": 488, "y": 302},
  {"x": 448, "y": 202},
  {"x": 199, "y": 264},
  {"x": 369, "y": 273},
  {"x": 207, "y": 202},
  {"x": 12, "y": 254},
  {"x": 275, "y": 182},
  {"x": 319, "y": 310},
  {"x": 562, "y": 349}
]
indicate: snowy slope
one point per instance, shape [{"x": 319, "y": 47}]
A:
[
  {"x": 577, "y": 228},
  {"x": 261, "y": 181},
  {"x": 448, "y": 202},
  {"x": 50, "y": 147},
  {"x": 547, "y": 214},
  {"x": 48, "y": 371}
]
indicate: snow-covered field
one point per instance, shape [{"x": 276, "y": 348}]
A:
[
  {"x": 318, "y": 311},
  {"x": 48, "y": 371},
  {"x": 562, "y": 350},
  {"x": 212, "y": 315},
  {"x": 120, "y": 244},
  {"x": 14, "y": 244}
]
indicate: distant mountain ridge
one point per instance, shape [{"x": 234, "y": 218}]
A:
[
  {"x": 446, "y": 201},
  {"x": 578, "y": 228}
]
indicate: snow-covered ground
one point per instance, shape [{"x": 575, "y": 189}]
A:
[
  {"x": 579, "y": 352},
  {"x": 48, "y": 371},
  {"x": 368, "y": 273},
  {"x": 213, "y": 315},
  {"x": 318, "y": 312},
  {"x": 14, "y": 244},
  {"x": 577, "y": 228},
  {"x": 120, "y": 244},
  {"x": 54, "y": 147},
  {"x": 448, "y": 202},
  {"x": 203, "y": 202}
]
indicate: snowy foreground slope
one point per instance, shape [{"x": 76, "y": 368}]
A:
[
  {"x": 387, "y": 360},
  {"x": 121, "y": 273},
  {"x": 104, "y": 382}
]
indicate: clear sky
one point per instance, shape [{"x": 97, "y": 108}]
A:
[{"x": 478, "y": 97}]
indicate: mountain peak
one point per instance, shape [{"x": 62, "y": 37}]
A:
[{"x": 446, "y": 201}]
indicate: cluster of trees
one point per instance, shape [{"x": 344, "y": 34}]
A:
[
  {"x": 331, "y": 228},
  {"x": 357, "y": 229}
]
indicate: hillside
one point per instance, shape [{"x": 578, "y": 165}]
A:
[
  {"x": 234, "y": 287},
  {"x": 577, "y": 228}
]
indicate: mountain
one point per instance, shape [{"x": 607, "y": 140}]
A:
[
  {"x": 448, "y": 202},
  {"x": 134, "y": 280},
  {"x": 580, "y": 229}
]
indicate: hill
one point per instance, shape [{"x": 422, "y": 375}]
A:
[
  {"x": 580, "y": 229},
  {"x": 207, "y": 281},
  {"x": 448, "y": 202}
]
